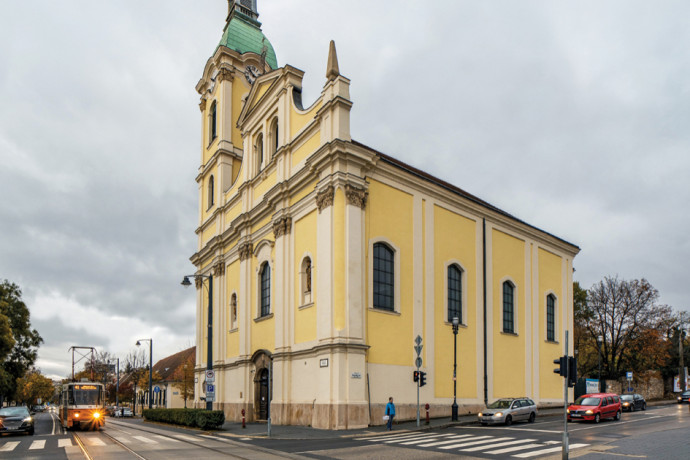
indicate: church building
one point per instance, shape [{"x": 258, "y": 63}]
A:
[{"x": 326, "y": 259}]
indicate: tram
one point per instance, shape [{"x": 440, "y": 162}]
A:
[{"x": 82, "y": 405}]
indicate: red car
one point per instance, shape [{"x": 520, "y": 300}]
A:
[{"x": 594, "y": 407}]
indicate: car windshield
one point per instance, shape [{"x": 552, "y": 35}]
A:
[
  {"x": 627, "y": 397},
  {"x": 500, "y": 404},
  {"x": 13, "y": 411},
  {"x": 582, "y": 401}
]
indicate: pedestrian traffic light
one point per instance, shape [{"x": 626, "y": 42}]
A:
[
  {"x": 562, "y": 366},
  {"x": 572, "y": 371},
  {"x": 422, "y": 379},
  {"x": 415, "y": 376}
]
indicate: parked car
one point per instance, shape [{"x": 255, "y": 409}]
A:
[
  {"x": 633, "y": 402},
  {"x": 509, "y": 410},
  {"x": 594, "y": 407},
  {"x": 684, "y": 397},
  {"x": 16, "y": 420},
  {"x": 126, "y": 412}
]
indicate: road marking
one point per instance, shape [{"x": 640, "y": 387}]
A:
[
  {"x": 65, "y": 442},
  {"x": 390, "y": 436},
  {"x": 512, "y": 428},
  {"x": 547, "y": 451},
  {"x": 618, "y": 423},
  {"x": 9, "y": 447},
  {"x": 166, "y": 438},
  {"x": 513, "y": 449},
  {"x": 447, "y": 440},
  {"x": 404, "y": 438},
  {"x": 95, "y": 442},
  {"x": 245, "y": 439},
  {"x": 500, "y": 444},
  {"x": 425, "y": 439},
  {"x": 145, "y": 439},
  {"x": 186, "y": 438},
  {"x": 38, "y": 444},
  {"x": 475, "y": 441}
]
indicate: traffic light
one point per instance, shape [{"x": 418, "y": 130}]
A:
[
  {"x": 415, "y": 376},
  {"x": 562, "y": 366},
  {"x": 572, "y": 371},
  {"x": 422, "y": 379}
]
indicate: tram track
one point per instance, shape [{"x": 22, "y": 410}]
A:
[{"x": 119, "y": 427}]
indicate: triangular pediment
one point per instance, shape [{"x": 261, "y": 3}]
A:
[{"x": 260, "y": 88}]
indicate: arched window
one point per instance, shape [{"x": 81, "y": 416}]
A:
[
  {"x": 551, "y": 318},
  {"x": 384, "y": 277},
  {"x": 210, "y": 191},
  {"x": 233, "y": 311},
  {"x": 305, "y": 274},
  {"x": 508, "y": 307},
  {"x": 454, "y": 293},
  {"x": 259, "y": 152},
  {"x": 274, "y": 136},
  {"x": 265, "y": 276},
  {"x": 213, "y": 121}
]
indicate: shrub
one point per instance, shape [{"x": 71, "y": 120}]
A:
[{"x": 199, "y": 418}]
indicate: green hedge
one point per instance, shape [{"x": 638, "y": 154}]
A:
[{"x": 199, "y": 418}]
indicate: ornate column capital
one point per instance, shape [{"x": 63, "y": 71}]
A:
[
  {"x": 245, "y": 250},
  {"x": 282, "y": 226},
  {"x": 202, "y": 104},
  {"x": 219, "y": 269},
  {"x": 198, "y": 282},
  {"x": 324, "y": 198},
  {"x": 356, "y": 196},
  {"x": 225, "y": 73}
]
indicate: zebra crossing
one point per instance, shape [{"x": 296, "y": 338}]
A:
[
  {"x": 63, "y": 442},
  {"x": 477, "y": 444}
]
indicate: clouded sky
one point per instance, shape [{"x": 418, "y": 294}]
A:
[{"x": 572, "y": 116}]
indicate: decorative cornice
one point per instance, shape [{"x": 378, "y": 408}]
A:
[
  {"x": 225, "y": 73},
  {"x": 202, "y": 104},
  {"x": 324, "y": 198},
  {"x": 198, "y": 282},
  {"x": 356, "y": 196},
  {"x": 282, "y": 226},
  {"x": 245, "y": 250},
  {"x": 219, "y": 269}
]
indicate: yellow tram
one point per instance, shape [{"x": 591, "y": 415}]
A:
[{"x": 82, "y": 405}]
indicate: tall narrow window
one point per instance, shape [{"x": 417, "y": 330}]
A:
[
  {"x": 551, "y": 318},
  {"x": 213, "y": 121},
  {"x": 259, "y": 152},
  {"x": 274, "y": 136},
  {"x": 265, "y": 289},
  {"x": 508, "y": 307},
  {"x": 233, "y": 311},
  {"x": 210, "y": 191},
  {"x": 384, "y": 277},
  {"x": 454, "y": 293}
]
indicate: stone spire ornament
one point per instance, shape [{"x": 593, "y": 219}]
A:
[{"x": 332, "y": 70}]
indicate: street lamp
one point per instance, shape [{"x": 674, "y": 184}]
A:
[
  {"x": 209, "y": 340},
  {"x": 150, "y": 341},
  {"x": 600, "y": 339},
  {"x": 117, "y": 382},
  {"x": 454, "y": 407}
]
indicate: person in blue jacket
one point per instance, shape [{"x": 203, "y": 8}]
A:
[{"x": 390, "y": 412}]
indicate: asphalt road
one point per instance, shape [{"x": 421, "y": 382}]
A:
[{"x": 657, "y": 433}]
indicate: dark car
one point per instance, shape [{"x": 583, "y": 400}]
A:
[
  {"x": 16, "y": 420},
  {"x": 594, "y": 407},
  {"x": 684, "y": 397},
  {"x": 633, "y": 402}
]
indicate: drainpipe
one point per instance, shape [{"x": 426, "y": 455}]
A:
[{"x": 486, "y": 379}]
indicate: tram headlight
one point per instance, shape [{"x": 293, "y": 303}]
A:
[
  {"x": 96, "y": 415},
  {"x": 76, "y": 415}
]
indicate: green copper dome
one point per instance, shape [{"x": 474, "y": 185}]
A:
[{"x": 244, "y": 35}]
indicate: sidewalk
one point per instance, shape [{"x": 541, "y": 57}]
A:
[{"x": 260, "y": 429}]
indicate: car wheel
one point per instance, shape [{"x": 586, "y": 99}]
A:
[
  {"x": 509, "y": 420},
  {"x": 532, "y": 416},
  {"x": 597, "y": 418},
  {"x": 31, "y": 431},
  {"x": 644, "y": 406},
  {"x": 618, "y": 416}
]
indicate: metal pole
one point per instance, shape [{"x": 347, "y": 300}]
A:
[
  {"x": 150, "y": 371},
  {"x": 117, "y": 385},
  {"x": 565, "y": 403},
  {"x": 599, "y": 347},
  {"x": 418, "y": 379},
  {"x": 270, "y": 394},
  {"x": 681, "y": 368},
  {"x": 209, "y": 342}
]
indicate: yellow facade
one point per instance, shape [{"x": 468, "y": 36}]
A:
[{"x": 329, "y": 258}]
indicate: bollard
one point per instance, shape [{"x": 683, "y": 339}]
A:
[
  {"x": 426, "y": 406},
  {"x": 244, "y": 425}
]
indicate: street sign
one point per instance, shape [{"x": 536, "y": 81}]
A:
[
  {"x": 418, "y": 340},
  {"x": 156, "y": 389},
  {"x": 629, "y": 375},
  {"x": 210, "y": 375},
  {"x": 210, "y": 388},
  {"x": 418, "y": 349},
  {"x": 210, "y": 397},
  {"x": 418, "y": 362}
]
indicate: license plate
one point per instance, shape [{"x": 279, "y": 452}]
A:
[{"x": 575, "y": 415}]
